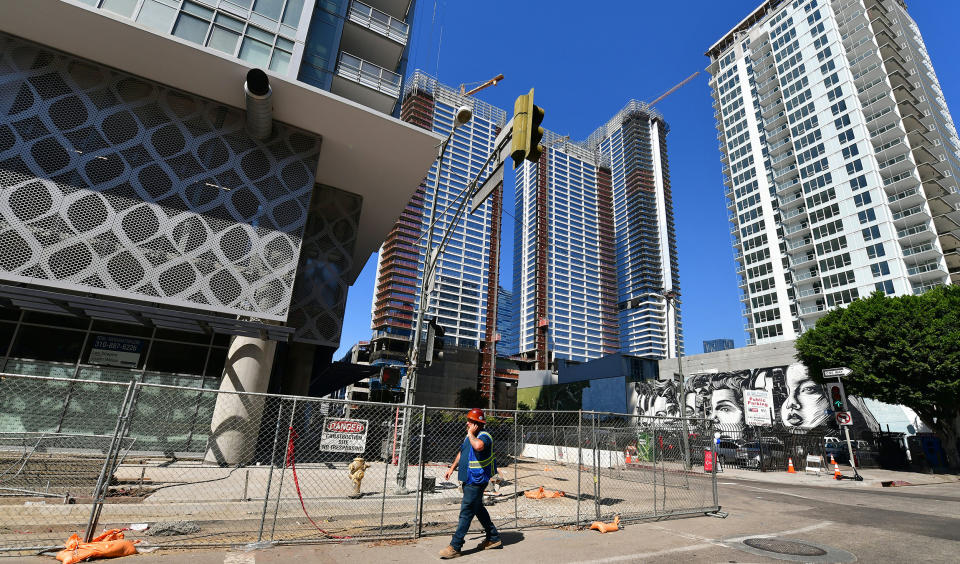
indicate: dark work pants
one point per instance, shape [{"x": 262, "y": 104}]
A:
[{"x": 471, "y": 505}]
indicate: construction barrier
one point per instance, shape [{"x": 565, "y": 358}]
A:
[{"x": 182, "y": 466}]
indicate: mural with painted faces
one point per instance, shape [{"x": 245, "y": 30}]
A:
[{"x": 806, "y": 403}]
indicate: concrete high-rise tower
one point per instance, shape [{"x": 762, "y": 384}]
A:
[{"x": 840, "y": 159}]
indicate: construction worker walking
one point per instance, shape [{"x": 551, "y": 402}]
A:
[{"x": 475, "y": 466}]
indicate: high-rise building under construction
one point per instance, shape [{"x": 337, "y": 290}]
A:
[
  {"x": 594, "y": 244},
  {"x": 840, "y": 159},
  {"x": 463, "y": 287}
]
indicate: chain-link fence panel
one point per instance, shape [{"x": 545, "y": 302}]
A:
[
  {"x": 444, "y": 433},
  {"x": 549, "y": 468},
  {"x": 56, "y": 437},
  {"x": 340, "y": 478},
  {"x": 651, "y": 467},
  {"x": 205, "y": 466}
]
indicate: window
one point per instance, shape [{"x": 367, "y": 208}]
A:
[
  {"x": 874, "y": 251},
  {"x": 841, "y": 122},
  {"x": 156, "y": 15},
  {"x": 854, "y": 167},
  {"x": 885, "y": 286},
  {"x": 838, "y": 107},
  {"x": 871, "y": 233},
  {"x": 862, "y": 199},
  {"x": 858, "y": 182},
  {"x": 845, "y": 136},
  {"x": 850, "y": 151},
  {"x": 193, "y": 23},
  {"x": 866, "y": 216},
  {"x": 880, "y": 269}
]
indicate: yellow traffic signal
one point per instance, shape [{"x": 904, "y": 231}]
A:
[{"x": 527, "y": 132}]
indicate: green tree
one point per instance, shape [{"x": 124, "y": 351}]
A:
[
  {"x": 902, "y": 350},
  {"x": 470, "y": 397}
]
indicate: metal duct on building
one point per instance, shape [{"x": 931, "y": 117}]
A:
[{"x": 259, "y": 99}]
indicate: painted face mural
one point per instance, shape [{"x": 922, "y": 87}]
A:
[
  {"x": 799, "y": 402},
  {"x": 805, "y": 404}
]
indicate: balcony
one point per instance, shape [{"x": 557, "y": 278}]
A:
[
  {"x": 790, "y": 200},
  {"x": 791, "y": 214},
  {"x": 775, "y": 133},
  {"x": 374, "y": 35},
  {"x": 781, "y": 158},
  {"x": 920, "y": 269},
  {"x": 782, "y": 187},
  {"x": 782, "y": 174},
  {"x": 809, "y": 292},
  {"x": 922, "y": 251},
  {"x": 801, "y": 276},
  {"x": 366, "y": 83},
  {"x": 916, "y": 213},
  {"x": 906, "y": 235},
  {"x": 921, "y": 288},
  {"x": 796, "y": 228},
  {"x": 809, "y": 310},
  {"x": 775, "y": 120},
  {"x": 803, "y": 259},
  {"x": 799, "y": 244},
  {"x": 906, "y": 198}
]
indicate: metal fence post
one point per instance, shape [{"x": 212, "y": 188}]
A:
[
  {"x": 420, "y": 501},
  {"x": 516, "y": 462},
  {"x": 716, "y": 497},
  {"x": 596, "y": 466},
  {"x": 103, "y": 481},
  {"x": 266, "y": 494},
  {"x": 579, "y": 459},
  {"x": 653, "y": 461},
  {"x": 283, "y": 469}
]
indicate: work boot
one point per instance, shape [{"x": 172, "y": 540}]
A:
[
  {"x": 450, "y": 552},
  {"x": 487, "y": 543}
]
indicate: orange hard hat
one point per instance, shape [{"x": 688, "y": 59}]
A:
[{"x": 476, "y": 414}]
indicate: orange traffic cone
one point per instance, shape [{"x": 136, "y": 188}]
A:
[
  {"x": 626, "y": 453},
  {"x": 790, "y": 469},
  {"x": 836, "y": 469}
]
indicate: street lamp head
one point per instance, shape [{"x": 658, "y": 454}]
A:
[{"x": 464, "y": 114}]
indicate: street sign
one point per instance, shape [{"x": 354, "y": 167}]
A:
[
  {"x": 343, "y": 435},
  {"x": 844, "y": 418},
  {"x": 837, "y": 372},
  {"x": 758, "y": 407},
  {"x": 487, "y": 188}
]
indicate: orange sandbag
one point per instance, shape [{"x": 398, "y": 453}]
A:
[
  {"x": 607, "y": 527},
  {"x": 541, "y": 493},
  {"x": 108, "y": 545}
]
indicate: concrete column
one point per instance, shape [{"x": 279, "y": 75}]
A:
[{"x": 236, "y": 417}]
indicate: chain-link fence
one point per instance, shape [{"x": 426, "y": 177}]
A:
[{"x": 203, "y": 467}]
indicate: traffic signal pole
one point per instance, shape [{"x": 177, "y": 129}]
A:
[
  {"x": 846, "y": 432},
  {"x": 431, "y": 258}
]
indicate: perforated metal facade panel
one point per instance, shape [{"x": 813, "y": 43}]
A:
[
  {"x": 320, "y": 294},
  {"x": 118, "y": 186}
]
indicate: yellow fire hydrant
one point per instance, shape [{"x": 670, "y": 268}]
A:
[{"x": 356, "y": 471}]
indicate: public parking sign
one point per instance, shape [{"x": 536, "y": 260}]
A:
[{"x": 343, "y": 435}]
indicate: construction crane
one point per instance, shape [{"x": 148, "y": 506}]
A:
[
  {"x": 490, "y": 82},
  {"x": 674, "y": 89}
]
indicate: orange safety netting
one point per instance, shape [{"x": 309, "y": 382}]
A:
[
  {"x": 542, "y": 493},
  {"x": 110, "y": 544}
]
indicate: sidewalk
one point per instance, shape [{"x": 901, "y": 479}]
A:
[{"x": 872, "y": 477}]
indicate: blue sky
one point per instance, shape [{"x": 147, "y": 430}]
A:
[{"x": 586, "y": 60}]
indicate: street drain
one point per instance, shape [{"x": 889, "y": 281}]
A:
[
  {"x": 791, "y": 550},
  {"x": 779, "y": 546}
]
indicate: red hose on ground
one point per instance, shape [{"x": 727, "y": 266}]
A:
[{"x": 291, "y": 462}]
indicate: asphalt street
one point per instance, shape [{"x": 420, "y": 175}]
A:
[{"x": 873, "y": 524}]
